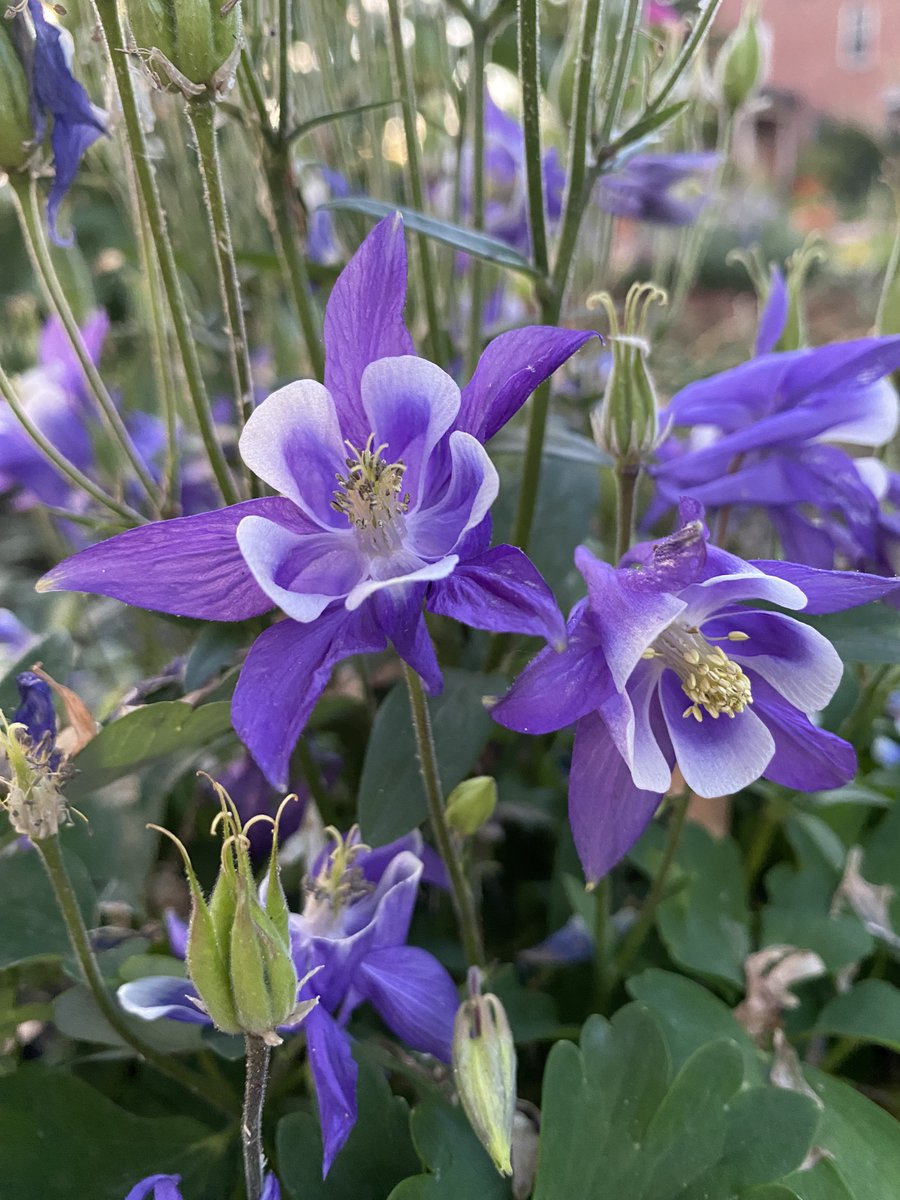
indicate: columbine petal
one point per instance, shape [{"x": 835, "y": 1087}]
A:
[
  {"x": 402, "y": 571},
  {"x": 774, "y": 316},
  {"x": 399, "y": 613},
  {"x": 503, "y": 592},
  {"x": 157, "y": 996},
  {"x": 271, "y": 1188},
  {"x": 162, "y": 1187},
  {"x": 473, "y": 487},
  {"x": 286, "y": 671},
  {"x": 606, "y": 811},
  {"x": 364, "y": 320},
  {"x": 709, "y": 596},
  {"x": 334, "y": 1077},
  {"x": 293, "y": 442},
  {"x": 414, "y": 995},
  {"x": 509, "y": 370},
  {"x": 805, "y": 757},
  {"x": 716, "y": 756},
  {"x": 190, "y": 566},
  {"x": 830, "y": 591},
  {"x": 627, "y": 716}
]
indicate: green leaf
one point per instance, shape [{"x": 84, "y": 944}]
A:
[
  {"x": 355, "y": 110},
  {"x": 875, "y": 640},
  {"x": 32, "y": 927},
  {"x": 391, "y": 797},
  {"x": 863, "y": 1140},
  {"x": 62, "y": 1138},
  {"x": 531, "y": 1014},
  {"x": 145, "y": 737},
  {"x": 821, "y": 1182},
  {"x": 378, "y": 1153},
  {"x": 798, "y": 914},
  {"x": 54, "y": 651},
  {"x": 481, "y": 245},
  {"x": 459, "y": 1165},
  {"x": 869, "y": 1011},
  {"x": 213, "y": 650},
  {"x": 640, "y": 132}
]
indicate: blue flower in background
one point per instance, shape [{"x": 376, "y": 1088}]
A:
[
  {"x": 57, "y": 94},
  {"x": 15, "y": 637},
  {"x": 166, "y": 1187},
  {"x": 642, "y": 189}
]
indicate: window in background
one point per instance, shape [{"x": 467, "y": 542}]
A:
[{"x": 857, "y": 36}]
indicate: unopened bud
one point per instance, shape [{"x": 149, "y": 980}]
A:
[
  {"x": 741, "y": 63},
  {"x": 484, "y": 1068},
  {"x": 625, "y": 422},
  {"x": 192, "y": 45},
  {"x": 471, "y": 804},
  {"x": 16, "y": 131}
]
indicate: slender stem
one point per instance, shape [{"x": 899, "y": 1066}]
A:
[
  {"x": 476, "y": 267},
  {"x": 531, "y": 467},
  {"x": 111, "y": 24},
  {"x": 638, "y": 933},
  {"x": 689, "y": 260},
  {"x": 686, "y": 57},
  {"x": 626, "y": 485},
  {"x": 62, "y": 464},
  {"x": 54, "y": 864},
  {"x": 257, "y": 1075},
  {"x": 202, "y": 118},
  {"x": 889, "y": 300},
  {"x": 408, "y": 106},
  {"x": 624, "y": 57},
  {"x": 285, "y": 38},
  {"x": 763, "y": 834},
  {"x": 530, "y": 79},
  {"x": 463, "y": 899},
  {"x": 31, "y": 223}
]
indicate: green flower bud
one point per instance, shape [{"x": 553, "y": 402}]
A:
[
  {"x": 741, "y": 63},
  {"x": 625, "y": 422},
  {"x": 191, "y": 44},
  {"x": 471, "y": 804},
  {"x": 34, "y": 802},
  {"x": 484, "y": 1068},
  {"x": 16, "y": 132}
]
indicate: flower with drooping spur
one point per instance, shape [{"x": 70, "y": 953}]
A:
[
  {"x": 665, "y": 662},
  {"x": 354, "y": 927},
  {"x": 386, "y": 489}
]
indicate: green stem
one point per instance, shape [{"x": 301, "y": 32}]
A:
[
  {"x": 476, "y": 267},
  {"x": 621, "y": 68},
  {"x": 257, "y": 1075},
  {"x": 530, "y": 79},
  {"x": 763, "y": 834},
  {"x": 31, "y": 223},
  {"x": 686, "y": 57},
  {"x": 202, "y": 119},
  {"x": 463, "y": 899},
  {"x": 601, "y": 943},
  {"x": 408, "y": 106},
  {"x": 689, "y": 261},
  {"x": 50, "y": 852},
  {"x": 111, "y": 24},
  {"x": 637, "y": 935},
  {"x": 285, "y": 38},
  {"x": 626, "y": 486},
  {"x": 62, "y": 464},
  {"x": 890, "y": 288}
]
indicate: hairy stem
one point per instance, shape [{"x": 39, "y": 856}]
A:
[
  {"x": 256, "y": 1078},
  {"x": 476, "y": 267},
  {"x": 626, "y": 486}
]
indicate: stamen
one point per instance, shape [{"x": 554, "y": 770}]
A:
[
  {"x": 369, "y": 497},
  {"x": 710, "y": 680}
]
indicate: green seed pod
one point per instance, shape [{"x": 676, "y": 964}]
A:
[
  {"x": 194, "y": 44},
  {"x": 484, "y": 1068},
  {"x": 471, "y": 804},
  {"x": 741, "y": 63},
  {"x": 16, "y": 131}
]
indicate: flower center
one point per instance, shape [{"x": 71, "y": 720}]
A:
[
  {"x": 370, "y": 498},
  {"x": 709, "y": 678},
  {"x": 339, "y": 883}
]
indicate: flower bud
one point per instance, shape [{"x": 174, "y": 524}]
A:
[
  {"x": 471, "y": 804},
  {"x": 193, "y": 44},
  {"x": 625, "y": 423},
  {"x": 16, "y": 131},
  {"x": 741, "y": 63},
  {"x": 484, "y": 1068}
]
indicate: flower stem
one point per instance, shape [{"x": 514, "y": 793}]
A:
[
  {"x": 626, "y": 485},
  {"x": 621, "y": 68},
  {"x": 50, "y": 853},
  {"x": 476, "y": 267},
  {"x": 637, "y": 935},
  {"x": 31, "y": 224},
  {"x": 530, "y": 79},
  {"x": 114, "y": 35},
  {"x": 256, "y": 1078},
  {"x": 463, "y": 900},
  {"x": 202, "y": 118},
  {"x": 687, "y": 56}
]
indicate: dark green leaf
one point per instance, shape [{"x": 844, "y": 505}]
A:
[
  {"x": 460, "y": 1167},
  {"x": 214, "y": 649},
  {"x": 31, "y": 926},
  {"x": 876, "y": 639},
  {"x": 640, "y": 132},
  {"x": 863, "y": 1140},
  {"x": 869, "y": 1011}
]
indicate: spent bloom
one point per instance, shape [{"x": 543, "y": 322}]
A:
[
  {"x": 385, "y": 493},
  {"x": 670, "y": 658},
  {"x": 35, "y": 768},
  {"x": 354, "y": 927}
]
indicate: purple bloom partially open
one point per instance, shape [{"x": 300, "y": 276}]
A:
[
  {"x": 354, "y": 926},
  {"x": 643, "y": 189},
  {"x": 385, "y": 490},
  {"x": 665, "y": 647}
]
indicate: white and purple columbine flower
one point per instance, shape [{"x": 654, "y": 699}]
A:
[
  {"x": 768, "y": 435},
  {"x": 667, "y": 663},
  {"x": 385, "y": 492},
  {"x": 354, "y": 926}
]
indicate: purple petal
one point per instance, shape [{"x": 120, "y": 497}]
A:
[
  {"x": 509, "y": 370},
  {"x": 334, "y": 1077},
  {"x": 163, "y": 1187},
  {"x": 463, "y": 505},
  {"x": 36, "y": 711},
  {"x": 286, "y": 671},
  {"x": 364, "y": 320},
  {"x": 774, "y": 315},
  {"x": 413, "y": 994},
  {"x": 501, "y": 591},
  {"x": 410, "y": 404},
  {"x": 271, "y": 1187},
  {"x": 627, "y": 716},
  {"x": 399, "y": 613},
  {"x": 571, "y": 943},
  {"x": 190, "y": 567},
  {"x": 606, "y": 811},
  {"x": 293, "y": 442},
  {"x": 806, "y": 758},
  {"x": 157, "y": 996},
  {"x": 716, "y": 756},
  {"x": 401, "y": 571},
  {"x": 176, "y": 932},
  {"x": 830, "y": 591},
  {"x": 704, "y": 599}
]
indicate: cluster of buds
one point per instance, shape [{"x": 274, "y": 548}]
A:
[
  {"x": 625, "y": 422},
  {"x": 194, "y": 44},
  {"x": 238, "y": 945}
]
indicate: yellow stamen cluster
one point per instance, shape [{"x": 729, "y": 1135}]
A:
[
  {"x": 340, "y": 880},
  {"x": 369, "y": 494},
  {"x": 709, "y": 678}
]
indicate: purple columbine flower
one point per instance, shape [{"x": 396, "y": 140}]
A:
[
  {"x": 167, "y": 1187},
  {"x": 385, "y": 491},
  {"x": 354, "y": 925},
  {"x": 666, "y": 662},
  {"x": 56, "y": 93},
  {"x": 767, "y": 435},
  {"x": 643, "y": 188}
]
